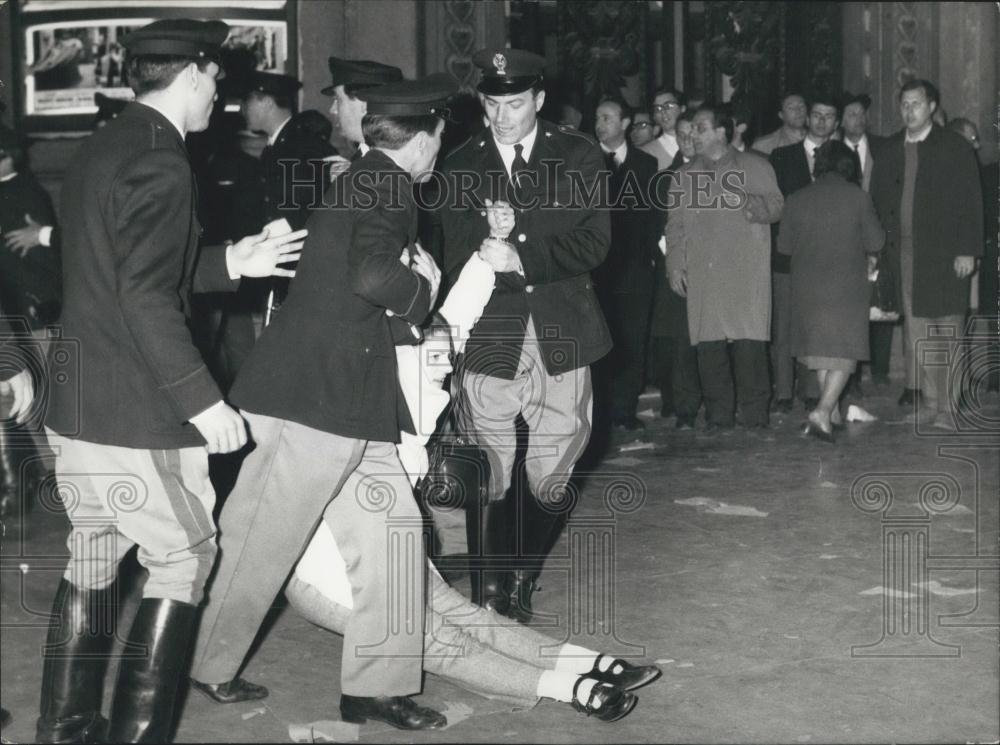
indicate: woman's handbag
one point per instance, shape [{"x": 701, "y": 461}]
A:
[{"x": 882, "y": 303}]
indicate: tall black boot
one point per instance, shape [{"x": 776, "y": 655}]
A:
[
  {"x": 10, "y": 491},
  {"x": 76, "y": 656},
  {"x": 156, "y": 654},
  {"x": 489, "y": 553},
  {"x": 539, "y": 529}
]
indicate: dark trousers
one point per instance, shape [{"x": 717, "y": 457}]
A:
[
  {"x": 748, "y": 366},
  {"x": 621, "y": 372},
  {"x": 880, "y": 346}
]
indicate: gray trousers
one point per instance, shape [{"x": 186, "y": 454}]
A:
[
  {"x": 117, "y": 498},
  {"x": 556, "y": 408},
  {"x": 470, "y": 646},
  {"x": 282, "y": 491}
]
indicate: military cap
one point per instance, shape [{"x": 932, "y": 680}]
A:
[
  {"x": 508, "y": 71},
  {"x": 428, "y": 96},
  {"x": 360, "y": 72},
  {"x": 180, "y": 37},
  {"x": 272, "y": 83},
  {"x": 108, "y": 107}
]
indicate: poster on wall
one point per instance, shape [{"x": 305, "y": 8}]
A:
[
  {"x": 71, "y": 50},
  {"x": 66, "y": 64}
]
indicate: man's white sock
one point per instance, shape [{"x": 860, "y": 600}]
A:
[{"x": 574, "y": 659}]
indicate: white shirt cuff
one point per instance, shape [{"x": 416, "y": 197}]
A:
[{"x": 45, "y": 235}]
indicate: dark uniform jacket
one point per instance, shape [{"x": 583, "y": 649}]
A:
[
  {"x": 327, "y": 360},
  {"x": 289, "y": 190},
  {"x": 126, "y": 372},
  {"x": 30, "y": 285},
  {"x": 560, "y": 241},
  {"x": 947, "y": 216}
]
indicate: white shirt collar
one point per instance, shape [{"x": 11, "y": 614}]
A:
[
  {"x": 669, "y": 142},
  {"x": 507, "y": 151},
  {"x": 810, "y": 147},
  {"x": 8, "y": 177},
  {"x": 620, "y": 152},
  {"x": 274, "y": 137},
  {"x": 920, "y": 137},
  {"x": 363, "y": 149}
]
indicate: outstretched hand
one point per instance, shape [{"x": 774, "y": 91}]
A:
[{"x": 261, "y": 256}]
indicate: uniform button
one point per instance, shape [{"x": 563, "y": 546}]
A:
[
  {"x": 529, "y": 288},
  {"x": 522, "y": 238}
]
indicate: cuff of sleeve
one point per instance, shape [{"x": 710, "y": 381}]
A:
[
  {"x": 193, "y": 394},
  {"x": 234, "y": 275},
  {"x": 45, "y": 235}
]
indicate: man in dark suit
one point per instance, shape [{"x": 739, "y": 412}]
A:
[
  {"x": 625, "y": 280},
  {"x": 927, "y": 192},
  {"x": 854, "y": 120},
  {"x": 293, "y": 171},
  {"x": 530, "y": 353},
  {"x": 321, "y": 394},
  {"x": 137, "y": 408},
  {"x": 793, "y": 167}
]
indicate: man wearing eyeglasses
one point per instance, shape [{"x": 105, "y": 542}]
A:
[
  {"x": 643, "y": 130},
  {"x": 668, "y": 105}
]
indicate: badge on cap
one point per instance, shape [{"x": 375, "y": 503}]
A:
[{"x": 500, "y": 63}]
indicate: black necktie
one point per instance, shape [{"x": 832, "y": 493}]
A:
[
  {"x": 517, "y": 167},
  {"x": 610, "y": 160}
]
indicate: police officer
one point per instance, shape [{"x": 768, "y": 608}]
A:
[
  {"x": 137, "y": 409},
  {"x": 321, "y": 392},
  {"x": 529, "y": 355}
]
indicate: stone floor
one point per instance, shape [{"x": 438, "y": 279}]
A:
[{"x": 791, "y": 590}]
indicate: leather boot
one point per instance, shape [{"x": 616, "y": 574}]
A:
[
  {"x": 489, "y": 554},
  {"x": 76, "y": 653},
  {"x": 156, "y": 654},
  {"x": 539, "y": 531},
  {"x": 10, "y": 492}
]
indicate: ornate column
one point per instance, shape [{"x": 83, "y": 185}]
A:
[{"x": 453, "y": 30}]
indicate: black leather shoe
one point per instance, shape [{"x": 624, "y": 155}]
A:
[
  {"x": 399, "y": 711},
  {"x": 232, "y": 692},
  {"x": 623, "y": 674},
  {"x": 522, "y": 587},
  {"x": 629, "y": 424},
  {"x": 607, "y": 702},
  {"x": 781, "y": 405},
  {"x": 909, "y": 397}
]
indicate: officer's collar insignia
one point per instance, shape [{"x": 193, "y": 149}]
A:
[{"x": 500, "y": 63}]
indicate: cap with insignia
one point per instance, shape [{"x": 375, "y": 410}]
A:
[
  {"x": 179, "y": 37},
  {"x": 360, "y": 72},
  {"x": 508, "y": 71},
  {"x": 428, "y": 96},
  {"x": 272, "y": 83}
]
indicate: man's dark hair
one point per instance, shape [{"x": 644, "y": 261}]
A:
[
  {"x": 392, "y": 132},
  {"x": 154, "y": 72},
  {"x": 823, "y": 98},
  {"x": 791, "y": 94},
  {"x": 930, "y": 90},
  {"x": 624, "y": 109},
  {"x": 687, "y": 115},
  {"x": 677, "y": 94},
  {"x": 719, "y": 119},
  {"x": 834, "y": 156},
  {"x": 281, "y": 100}
]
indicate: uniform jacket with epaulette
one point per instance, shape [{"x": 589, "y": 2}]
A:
[
  {"x": 561, "y": 237},
  {"x": 126, "y": 371},
  {"x": 328, "y": 360}
]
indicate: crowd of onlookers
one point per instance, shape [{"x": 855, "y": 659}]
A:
[{"x": 787, "y": 291}]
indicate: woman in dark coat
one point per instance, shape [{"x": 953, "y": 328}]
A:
[{"x": 829, "y": 229}]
